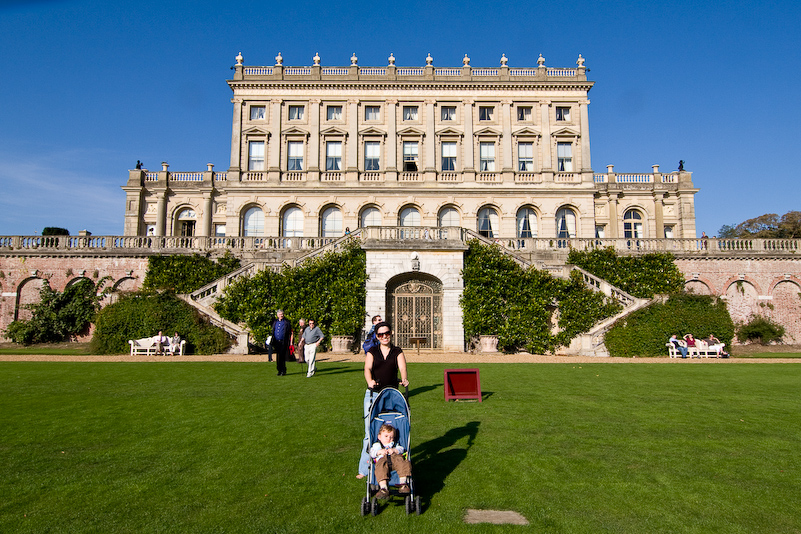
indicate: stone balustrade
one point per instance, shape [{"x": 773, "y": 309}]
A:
[{"x": 177, "y": 244}]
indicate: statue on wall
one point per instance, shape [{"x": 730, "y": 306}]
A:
[{"x": 681, "y": 165}]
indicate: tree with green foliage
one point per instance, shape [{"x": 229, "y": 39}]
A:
[
  {"x": 641, "y": 276},
  {"x": 502, "y": 298},
  {"x": 143, "y": 314},
  {"x": 645, "y": 332},
  {"x": 185, "y": 274},
  {"x": 59, "y": 316},
  {"x": 767, "y": 226},
  {"x": 330, "y": 288},
  {"x": 54, "y": 230}
]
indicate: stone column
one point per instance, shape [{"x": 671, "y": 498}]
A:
[
  {"x": 586, "y": 163},
  {"x": 236, "y": 140},
  {"x": 506, "y": 139},
  {"x": 545, "y": 119},
  {"x": 161, "y": 191},
  {"x": 352, "y": 142},
  {"x": 429, "y": 163},
  {"x": 613, "y": 216},
  {"x": 314, "y": 136},
  {"x": 392, "y": 140},
  {"x": 274, "y": 148},
  {"x": 468, "y": 160},
  {"x": 659, "y": 215}
]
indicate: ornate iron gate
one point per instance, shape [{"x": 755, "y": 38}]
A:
[{"x": 416, "y": 311}]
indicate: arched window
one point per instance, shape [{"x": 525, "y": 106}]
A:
[
  {"x": 565, "y": 223},
  {"x": 186, "y": 223},
  {"x": 488, "y": 222},
  {"x": 632, "y": 224},
  {"x": 449, "y": 216},
  {"x": 409, "y": 216},
  {"x": 253, "y": 222},
  {"x": 292, "y": 223},
  {"x": 526, "y": 222},
  {"x": 371, "y": 216},
  {"x": 331, "y": 222}
]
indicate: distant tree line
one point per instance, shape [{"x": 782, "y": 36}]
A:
[{"x": 768, "y": 226}]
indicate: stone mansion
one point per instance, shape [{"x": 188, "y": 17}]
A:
[{"x": 317, "y": 151}]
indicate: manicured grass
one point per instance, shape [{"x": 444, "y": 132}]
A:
[
  {"x": 770, "y": 355},
  {"x": 230, "y": 447},
  {"x": 47, "y": 351}
]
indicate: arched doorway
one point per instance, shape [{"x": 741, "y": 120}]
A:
[{"x": 414, "y": 305}]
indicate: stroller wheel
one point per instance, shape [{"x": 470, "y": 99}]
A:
[
  {"x": 408, "y": 504},
  {"x": 417, "y": 505},
  {"x": 365, "y": 507},
  {"x": 374, "y": 507}
]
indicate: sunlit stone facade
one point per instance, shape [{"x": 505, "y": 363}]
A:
[{"x": 318, "y": 150}]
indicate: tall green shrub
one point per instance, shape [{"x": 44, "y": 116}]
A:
[
  {"x": 59, "y": 315},
  {"x": 645, "y": 332},
  {"x": 641, "y": 276},
  {"x": 184, "y": 274},
  {"x": 760, "y": 330},
  {"x": 502, "y": 298},
  {"x": 141, "y": 314},
  {"x": 330, "y": 288}
]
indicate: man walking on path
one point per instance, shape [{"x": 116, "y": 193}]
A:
[{"x": 282, "y": 338}]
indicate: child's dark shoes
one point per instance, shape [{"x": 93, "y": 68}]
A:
[
  {"x": 382, "y": 494},
  {"x": 404, "y": 490}
]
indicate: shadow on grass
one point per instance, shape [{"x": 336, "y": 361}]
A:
[
  {"x": 434, "y": 460},
  {"x": 423, "y": 389}
]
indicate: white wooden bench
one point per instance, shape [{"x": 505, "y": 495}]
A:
[
  {"x": 700, "y": 350},
  {"x": 147, "y": 346}
]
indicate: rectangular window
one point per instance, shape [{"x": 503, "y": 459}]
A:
[
  {"x": 668, "y": 232},
  {"x": 296, "y": 113},
  {"x": 410, "y": 156},
  {"x": 333, "y": 156},
  {"x": 257, "y": 113},
  {"x": 372, "y": 156},
  {"x": 219, "y": 230},
  {"x": 562, "y": 114},
  {"x": 485, "y": 113},
  {"x": 448, "y": 156},
  {"x": 256, "y": 155},
  {"x": 525, "y": 157},
  {"x": 564, "y": 157},
  {"x": 372, "y": 113},
  {"x": 410, "y": 113},
  {"x": 334, "y": 113},
  {"x": 295, "y": 156},
  {"x": 600, "y": 231},
  {"x": 524, "y": 113},
  {"x": 448, "y": 113},
  {"x": 486, "y": 153}
]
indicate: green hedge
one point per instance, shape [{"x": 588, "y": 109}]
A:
[
  {"x": 640, "y": 276},
  {"x": 142, "y": 314},
  {"x": 502, "y": 298},
  {"x": 330, "y": 289},
  {"x": 184, "y": 274},
  {"x": 645, "y": 332},
  {"x": 58, "y": 316}
]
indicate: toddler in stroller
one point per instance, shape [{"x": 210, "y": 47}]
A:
[
  {"x": 389, "y": 434},
  {"x": 389, "y": 457}
]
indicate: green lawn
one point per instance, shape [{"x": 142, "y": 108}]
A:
[{"x": 230, "y": 447}]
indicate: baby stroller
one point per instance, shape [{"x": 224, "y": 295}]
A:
[{"x": 389, "y": 406}]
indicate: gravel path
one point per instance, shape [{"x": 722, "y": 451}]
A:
[{"x": 411, "y": 357}]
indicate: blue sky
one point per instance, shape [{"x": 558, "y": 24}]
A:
[{"x": 89, "y": 87}]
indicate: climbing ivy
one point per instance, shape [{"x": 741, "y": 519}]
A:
[
  {"x": 641, "y": 276},
  {"x": 330, "y": 288},
  {"x": 502, "y": 298},
  {"x": 184, "y": 274}
]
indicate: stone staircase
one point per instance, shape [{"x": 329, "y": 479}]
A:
[{"x": 552, "y": 261}]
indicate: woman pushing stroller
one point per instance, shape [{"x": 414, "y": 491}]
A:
[{"x": 381, "y": 367}]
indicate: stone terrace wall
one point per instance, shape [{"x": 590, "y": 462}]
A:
[
  {"x": 751, "y": 286},
  {"x": 23, "y": 276}
]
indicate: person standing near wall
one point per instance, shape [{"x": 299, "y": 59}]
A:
[
  {"x": 312, "y": 337},
  {"x": 282, "y": 339}
]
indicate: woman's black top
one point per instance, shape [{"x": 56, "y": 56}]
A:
[{"x": 385, "y": 370}]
